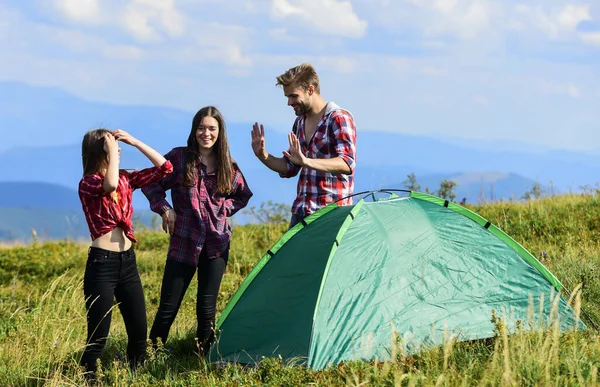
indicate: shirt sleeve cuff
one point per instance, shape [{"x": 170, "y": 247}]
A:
[
  {"x": 166, "y": 168},
  {"x": 349, "y": 160},
  {"x": 161, "y": 207},
  {"x": 292, "y": 169}
]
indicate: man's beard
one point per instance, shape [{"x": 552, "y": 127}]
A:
[{"x": 303, "y": 108}]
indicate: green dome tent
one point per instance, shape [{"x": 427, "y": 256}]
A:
[{"x": 341, "y": 284}]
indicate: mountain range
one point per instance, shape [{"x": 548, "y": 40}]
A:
[{"x": 40, "y": 159}]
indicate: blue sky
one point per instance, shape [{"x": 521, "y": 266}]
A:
[{"x": 487, "y": 70}]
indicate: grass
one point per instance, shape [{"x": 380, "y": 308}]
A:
[{"x": 42, "y": 316}]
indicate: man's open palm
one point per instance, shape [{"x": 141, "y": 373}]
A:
[
  {"x": 258, "y": 141},
  {"x": 295, "y": 153}
]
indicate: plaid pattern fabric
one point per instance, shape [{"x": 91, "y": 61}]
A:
[
  {"x": 335, "y": 136},
  {"x": 201, "y": 213},
  {"x": 103, "y": 211}
]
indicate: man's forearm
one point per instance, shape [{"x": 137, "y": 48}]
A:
[
  {"x": 334, "y": 165},
  {"x": 276, "y": 164}
]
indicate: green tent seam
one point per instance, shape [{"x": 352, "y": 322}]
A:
[
  {"x": 340, "y": 235},
  {"x": 526, "y": 255}
]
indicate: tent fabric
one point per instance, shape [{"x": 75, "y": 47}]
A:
[{"x": 352, "y": 279}]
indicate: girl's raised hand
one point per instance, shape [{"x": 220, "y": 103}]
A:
[
  {"x": 110, "y": 143},
  {"x": 125, "y": 137}
]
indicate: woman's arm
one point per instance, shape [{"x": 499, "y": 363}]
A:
[
  {"x": 156, "y": 158},
  {"x": 240, "y": 196},
  {"x": 142, "y": 178},
  {"x": 111, "y": 177}
]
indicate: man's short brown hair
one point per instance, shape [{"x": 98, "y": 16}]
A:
[{"x": 301, "y": 76}]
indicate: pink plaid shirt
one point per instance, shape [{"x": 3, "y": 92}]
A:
[
  {"x": 335, "y": 136},
  {"x": 201, "y": 213}
]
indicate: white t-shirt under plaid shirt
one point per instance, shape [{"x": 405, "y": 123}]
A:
[{"x": 335, "y": 136}]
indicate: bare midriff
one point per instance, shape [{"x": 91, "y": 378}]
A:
[{"x": 113, "y": 241}]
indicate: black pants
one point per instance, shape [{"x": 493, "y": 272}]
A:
[
  {"x": 110, "y": 275},
  {"x": 176, "y": 280}
]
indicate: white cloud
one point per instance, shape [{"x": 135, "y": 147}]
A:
[
  {"x": 80, "y": 42},
  {"x": 234, "y": 56},
  {"x": 483, "y": 24},
  {"x": 147, "y": 20},
  {"x": 23, "y": 36},
  {"x": 591, "y": 38},
  {"x": 79, "y": 10},
  {"x": 466, "y": 19},
  {"x": 572, "y": 15},
  {"x": 228, "y": 43},
  {"x": 554, "y": 23},
  {"x": 215, "y": 43},
  {"x": 432, "y": 62},
  {"x": 331, "y": 17}
]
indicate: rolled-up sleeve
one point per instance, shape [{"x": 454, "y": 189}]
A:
[
  {"x": 156, "y": 192},
  {"x": 344, "y": 131},
  {"x": 145, "y": 177},
  {"x": 292, "y": 169}
]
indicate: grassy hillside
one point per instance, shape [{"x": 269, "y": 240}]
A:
[{"x": 42, "y": 317}]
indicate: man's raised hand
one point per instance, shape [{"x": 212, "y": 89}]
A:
[
  {"x": 295, "y": 154},
  {"x": 258, "y": 141}
]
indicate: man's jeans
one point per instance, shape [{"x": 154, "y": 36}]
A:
[{"x": 110, "y": 275}]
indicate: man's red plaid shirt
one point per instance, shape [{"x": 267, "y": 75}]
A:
[{"x": 335, "y": 136}]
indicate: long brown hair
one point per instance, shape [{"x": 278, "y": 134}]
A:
[
  {"x": 221, "y": 147},
  {"x": 93, "y": 155}
]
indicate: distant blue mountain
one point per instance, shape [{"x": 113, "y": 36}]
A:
[
  {"x": 19, "y": 223},
  {"x": 51, "y": 117},
  {"x": 265, "y": 184},
  {"x": 54, "y": 211},
  {"x": 30, "y": 194},
  {"x": 478, "y": 187},
  {"x": 43, "y": 127}
]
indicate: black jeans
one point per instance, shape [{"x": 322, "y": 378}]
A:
[
  {"x": 110, "y": 275},
  {"x": 176, "y": 280}
]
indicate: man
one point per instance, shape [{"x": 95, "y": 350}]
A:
[{"x": 322, "y": 145}]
